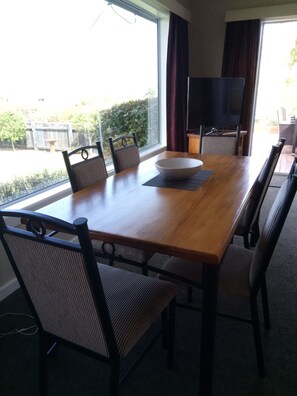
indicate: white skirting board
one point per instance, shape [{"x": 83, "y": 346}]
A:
[{"x": 8, "y": 288}]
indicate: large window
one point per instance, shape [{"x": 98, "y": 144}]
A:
[
  {"x": 71, "y": 72},
  {"x": 276, "y": 105}
]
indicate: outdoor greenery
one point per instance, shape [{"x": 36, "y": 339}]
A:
[
  {"x": 127, "y": 117},
  {"x": 12, "y": 127},
  {"x": 91, "y": 125},
  {"x": 293, "y": 55},
  {"x": 19, "y": 187}
]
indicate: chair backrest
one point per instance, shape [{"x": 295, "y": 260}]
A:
[
  {"x": 271, "y": 230},
  {"x": 292, "y": 170},
  {"x": 219, "y": 141},
  {"x": 264, "y": 179},
  {"x": 124, "y": 151},
  {"x": 60, "y": 279},
  {"x": 83, "y": 167}
]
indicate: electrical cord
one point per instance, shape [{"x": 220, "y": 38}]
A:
[{"x": 26, "y": 331}]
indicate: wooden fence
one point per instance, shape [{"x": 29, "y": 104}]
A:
[{"x": 54, "y": 136}]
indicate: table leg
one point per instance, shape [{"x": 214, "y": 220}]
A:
[{"x": 210, "y": 293}]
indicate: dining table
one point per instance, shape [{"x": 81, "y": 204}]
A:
[{"x": 193, "y": 219}]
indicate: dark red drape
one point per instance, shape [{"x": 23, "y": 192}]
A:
[
  {"x": 177, "y": 73},
  {"x": 240, "y": 59}
]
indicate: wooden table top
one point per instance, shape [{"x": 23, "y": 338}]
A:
[{"x": 197, "y": 225}]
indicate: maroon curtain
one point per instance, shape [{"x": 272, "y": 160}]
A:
[
  {"x": 177, "y": 73},
  {"x": 240, "y": 59}
]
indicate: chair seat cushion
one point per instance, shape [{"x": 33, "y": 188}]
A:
[
  {"x": 182, "y": 271},
  {"x": 134, "y": 301},
  {"x": 235, "y": 271},
  {"x": 233, "y": 276}
]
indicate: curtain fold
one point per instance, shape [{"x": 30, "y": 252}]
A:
[
  {"x": 240, "y": 59},
  {"x": 176, "y": 89}
]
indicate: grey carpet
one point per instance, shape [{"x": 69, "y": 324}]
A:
[{"x": 235, "y": 373}]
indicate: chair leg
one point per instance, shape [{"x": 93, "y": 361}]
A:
[
  {"x": 257, "y": 336},
  {"x": 114, "y": 378},
  {"x": 165, "y": 334},
  {"x": 190, "y": 294},
  {"x": 43, "y": 344},
  {"x": 265, "y": 305},
  {"x": 246, "y": 241},
  {"x": 255, "y": 233},
  {"x": 171, "y": 335},
  {"x": 144, "y": 268},
  {"x": 52, "y": 348}
]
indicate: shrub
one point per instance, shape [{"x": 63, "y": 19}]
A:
[
  {"x": 129, "y": 117},
  {"x": 22, "y": 186}
]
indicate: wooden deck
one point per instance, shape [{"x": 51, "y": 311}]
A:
[
  {"x": 262, "y": 143},
  {"x": 285, "y": 161}
]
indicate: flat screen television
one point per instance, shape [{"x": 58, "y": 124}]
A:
[{"x": 214, "y": 102}]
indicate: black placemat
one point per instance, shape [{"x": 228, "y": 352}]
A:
[{"x": 191, "y": 183}]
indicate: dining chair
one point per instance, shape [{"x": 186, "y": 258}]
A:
[
  {"x": 242, "y": 272},
  {"x": 287, "y": 128},
  {"x": 124, "y": 152},
  {"x": 219, "y": 140},
  {"x": 84, "y": 169},
  {"x": 249, "y": 220},
  {"x": 98, "y": 310}
]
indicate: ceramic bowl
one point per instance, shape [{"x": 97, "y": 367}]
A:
[{"x": 178, "y": 168}]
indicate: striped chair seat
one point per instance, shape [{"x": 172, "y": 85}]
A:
[
  {"x": 234, "y": 272},
  {"x": 133, "y": 302}
]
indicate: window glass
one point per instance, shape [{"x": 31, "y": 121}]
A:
[{"x": 71, "y": 73}]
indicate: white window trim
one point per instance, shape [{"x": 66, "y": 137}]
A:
[{"x": 269, "y": 12}]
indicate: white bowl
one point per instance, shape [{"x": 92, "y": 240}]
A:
[{"x": 178, "y": 168}]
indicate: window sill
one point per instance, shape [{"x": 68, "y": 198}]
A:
[{"x": 55, "y": 193}]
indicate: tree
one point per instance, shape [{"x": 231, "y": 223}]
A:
[{"x": 12, "y": 127}]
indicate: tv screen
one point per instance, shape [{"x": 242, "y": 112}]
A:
[{"x": 214, "y": 102}]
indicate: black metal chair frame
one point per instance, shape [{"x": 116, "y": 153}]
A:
[{"x": 36, "y": 229}]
